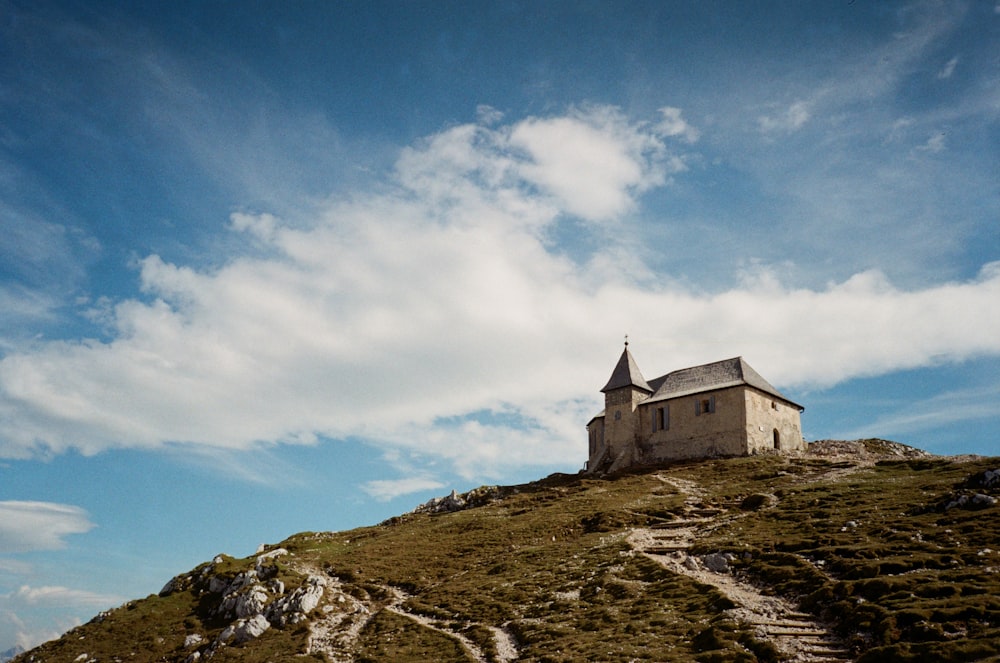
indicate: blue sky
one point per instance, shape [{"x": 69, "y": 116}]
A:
[{"x": 270, "y": 267}]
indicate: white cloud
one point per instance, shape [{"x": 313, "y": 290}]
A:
[
  {"x": 14, "y": 630},
  {"x": 936, "y": 413},
  {"x": 791, "y": 119},
  {"x": 30, "y": 615},
  {"x": 433, "y": 317},
  {"x": 27, "y": 526},
  {"x": 591, "y": 162},
  {"x": 14, "y": 567},
  {"x": 949, "y": 68},
  {"x": 387, "y": 489},
  {"x": 61, "y": 596},
  {"x": 673, "y": 124},
  {"x": 934, "y": 144}
]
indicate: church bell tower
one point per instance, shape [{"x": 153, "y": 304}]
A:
[{"x": 622, "y": 395}]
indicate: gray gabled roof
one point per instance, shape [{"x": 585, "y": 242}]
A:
[
  {"x": 707, "y": 377},
  {"x": 626, "y": 374}
]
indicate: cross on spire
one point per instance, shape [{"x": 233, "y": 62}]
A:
[{"x": 626, "y": 340}]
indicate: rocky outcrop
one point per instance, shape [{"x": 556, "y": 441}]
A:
[
  {"x": 243, "y": 630},
  {"x": 294, "y": 608},
  {"x": 457, "y": 502},
  {"x": 870, "y": 448},
  {"x": 255, "y": 600}
]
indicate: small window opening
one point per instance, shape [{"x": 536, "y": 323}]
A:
[{"x": 704, "y": 406}]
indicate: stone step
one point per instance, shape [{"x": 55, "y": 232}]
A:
[
  {"x": 838, "y": 652},
  {"x": 792, "y": 625},
  {"x": 665, "y": 550},
  {"x": 801, "y": 635},
  {"x": 831, "y": 657},
  {"x": 705, "y": 513},
  {"x": 676, "y": 524},
  {"x": 799, "y": 615}
]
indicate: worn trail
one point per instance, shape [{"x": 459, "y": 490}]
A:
[
  {"x": 335, "y": 631},
  {"x": 797, "y": 635}
]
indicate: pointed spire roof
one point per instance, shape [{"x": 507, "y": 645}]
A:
[{"x": 626, "y": 374}]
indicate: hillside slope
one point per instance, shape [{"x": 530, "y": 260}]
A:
[{"x": 864, "y": 551}]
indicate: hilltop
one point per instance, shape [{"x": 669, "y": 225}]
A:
[{"x": 865, "y": 550}]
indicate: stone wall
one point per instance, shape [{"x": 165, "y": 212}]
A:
[
  {"x": 765, "y": 415},
  {"x": 736, "y": 421},
  {"x": 620, "y": 419},
  {"x": 694, "y": 429}
]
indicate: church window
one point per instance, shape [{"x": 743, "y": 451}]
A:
[
  {"x": 704, "y": 406},
  {"x": 618, "y": 415},
  {"x": 660, "y": 418}
]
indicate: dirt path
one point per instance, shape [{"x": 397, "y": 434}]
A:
[
  {"x": 335, "y": 628},
  {"x": 503, "y": 640},
  {"x": 797, "y": 635},
  {"x": 471, "y": 648}
]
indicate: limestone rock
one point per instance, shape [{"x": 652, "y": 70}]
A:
[
  {"x": 251, "y": 602},
  {"x": 717, "y": 562},
  {"x": 293, "y": 608},
  {"x": 989, "y": 479},
  {"x": 244, "y": 630},
  {"x": 446, "y": 504},
  {"x": 217, "y": 585}
]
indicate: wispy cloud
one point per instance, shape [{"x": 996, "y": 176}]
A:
[
  {"x": 934, "y": 144},
  {"x": 28, "y": 635},
  {"x": 949, "y": 68},
  {"x": 27, "y": 526},
  {"x": 788, "y": 120},
  {"x": 61, "y": 596},
  {"x": 14, "y": 567},
  {"x": 673, "y": 124},
  {"x": 936, "y": 413},
  {"x": 387, "y": 489},
  {"x": 33, "y": 615}
]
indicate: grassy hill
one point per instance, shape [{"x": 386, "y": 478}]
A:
[{"x": 868, "y": 552}]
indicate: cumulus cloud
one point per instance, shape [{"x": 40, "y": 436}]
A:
[
  {"x": 27, "y": 526},
  {"x": 434, "y": 316}
]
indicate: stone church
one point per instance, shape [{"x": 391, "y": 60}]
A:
[{"x": 720, "y": 409}]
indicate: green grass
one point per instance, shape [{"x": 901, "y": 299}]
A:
[{"x": 872, "y": 553}]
